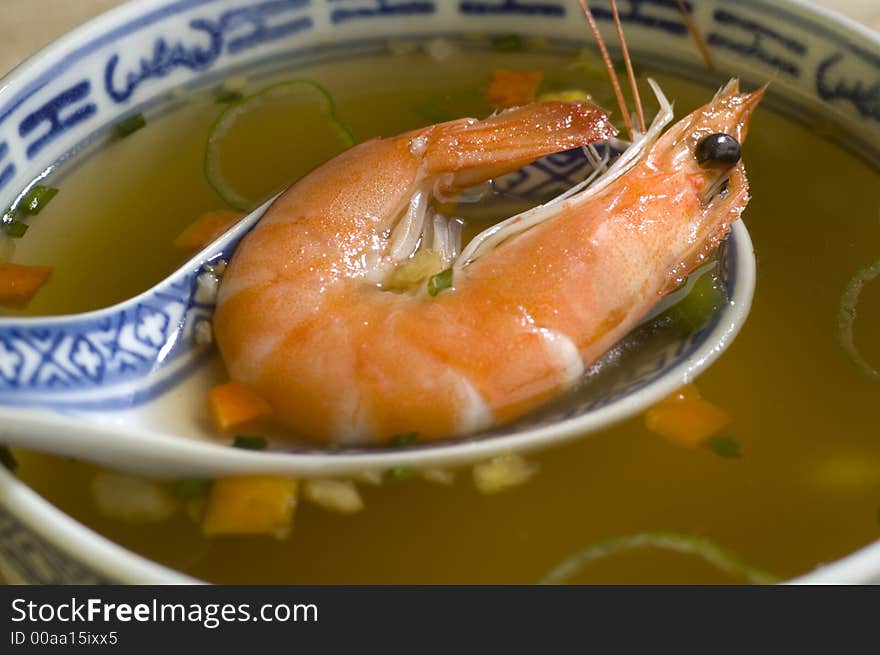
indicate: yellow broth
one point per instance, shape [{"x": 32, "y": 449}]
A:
[{"x": 805, "y": 491}]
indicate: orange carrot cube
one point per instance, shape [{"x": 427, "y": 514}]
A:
[
  {"x": 206, "y": 228},
  {"x": 686, "y": 419},
  {"x": 512, "y": 88},
  {"x": 251, "y": 505},
  {"x": 19, "y": 283},
  {"x": 234, "y": 407}
]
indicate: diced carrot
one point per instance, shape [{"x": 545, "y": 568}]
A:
[
  {"x": 512, "y": 88},
  {"x": 234, "y": 407},
  {"x": 18, "y": 283},
  {"x": 686, "y": 419},
  {"x": 206, "y": 228},
  {"x": 251, "y": 505}
]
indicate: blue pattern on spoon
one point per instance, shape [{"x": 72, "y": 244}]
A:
[{"x": 117, "y": 357}]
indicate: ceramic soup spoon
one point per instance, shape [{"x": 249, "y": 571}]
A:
[{"x": 125, "y": 386}]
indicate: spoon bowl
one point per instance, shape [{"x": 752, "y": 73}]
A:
[{"x": 125, "y": 386}]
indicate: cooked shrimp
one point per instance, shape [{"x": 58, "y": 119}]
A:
[{"x": 304, "y": 319}]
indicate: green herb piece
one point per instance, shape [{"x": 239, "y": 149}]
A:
[
  {"x": 399, "y": 474},
  {"x": 726, "y": 447},
  {"x": 130, "y": 125},
  {"x": 37, "y": 199},
  {"x": 400, "y": 440},
  {"x": 250, "y": 443},
  {"x": 227, "y": 96},
  {"x": 440, "y": 282},
  {"x": 16, "y": 228},
  {"x": 694, "y": 310},
  {"x": 191, "y": 488},
  {"x": 7, "y": 459},
  {"x": 507, "y": 43}
]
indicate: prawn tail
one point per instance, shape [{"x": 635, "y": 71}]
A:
[{"x": 475, "y": 151}]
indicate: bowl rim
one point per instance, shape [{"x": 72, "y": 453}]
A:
[
  {"x": 83, "y": 544},
  {"x": 119, "y": 564}
]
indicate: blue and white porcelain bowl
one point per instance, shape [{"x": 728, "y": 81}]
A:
[{"x": 135, "y": 57}]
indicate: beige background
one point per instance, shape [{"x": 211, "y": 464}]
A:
[{"x": 26, "y": 25}]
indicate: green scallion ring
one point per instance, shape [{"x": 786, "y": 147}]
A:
[
  {"x": 716, "y": 555},
  {"x": 303, "y": 90},
  {"x": 846, "y": 317}
]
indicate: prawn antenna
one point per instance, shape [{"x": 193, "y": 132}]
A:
[
  {"x": 608, "y": 66},
  {"x": 629, "y": 67},
  {"x": 695, "y": 35}
]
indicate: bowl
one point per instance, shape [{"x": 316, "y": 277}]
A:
[{"x": 140, "y": 54}]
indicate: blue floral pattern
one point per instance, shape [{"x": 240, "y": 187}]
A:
[{"x": 120, "y": 356}]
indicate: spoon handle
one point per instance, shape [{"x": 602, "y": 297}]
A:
[{"x": 118, "y": 357}]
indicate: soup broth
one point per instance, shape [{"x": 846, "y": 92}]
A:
[{"x": 804, "y": 490}]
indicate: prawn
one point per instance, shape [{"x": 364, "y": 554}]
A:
[
  {"x": 303, "y": 318},
  {"x": 305, "y": 315}
]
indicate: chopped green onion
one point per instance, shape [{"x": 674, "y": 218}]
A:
[
  {"x": 37, "y": 199},
  {"x": 191, "y": 488},
  {"x": 846, "y": 317},
  {"x": 130, "y": 125},
  {"x": 507, "y": 43},
  {"x": 16, "y": 228},
  {"x": 726, "y": 447},
  {"x": 250, "y": 443},
  {"x": 711, "y": 552},
  {"x": 440, "y": 282},
  {"x": 400, "y": 440},
  {"x": 695, "y": 310},
  {"x": 7, "y": 459},
  {"x": 227, "y": 96},
  {"x": 399, "y": 474}
]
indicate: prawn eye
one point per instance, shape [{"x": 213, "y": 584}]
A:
[{"x": 718, "y": 150}]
